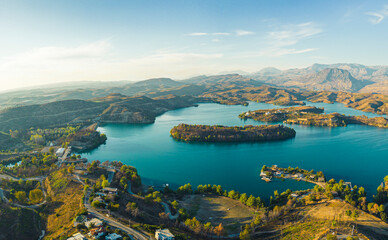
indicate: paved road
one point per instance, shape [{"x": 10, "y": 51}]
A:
[
  {"x": 111, "y": 174},
  {"x": 112, "y": 222},
  {"x": 168, "y": 211},
  {"x": 39, "y": 178}
]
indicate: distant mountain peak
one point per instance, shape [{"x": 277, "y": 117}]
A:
[{"x": 334, "y": 79}]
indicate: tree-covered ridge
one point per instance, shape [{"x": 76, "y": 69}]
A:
[
  {"x": 279, "y": 114},
  {"x": 218, "y": 133},
  {"x": 307, "y": 115}
]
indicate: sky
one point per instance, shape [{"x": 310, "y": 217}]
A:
[{"x": 45, "y": 42}]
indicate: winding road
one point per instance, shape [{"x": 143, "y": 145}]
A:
[
  {"x": 39, "y": 178},
  {"x": 110, "y": 221}
]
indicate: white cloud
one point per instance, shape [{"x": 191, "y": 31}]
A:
[
  {"x": 292, "y": 34},
  {"x": 52, "y": 53},
  {"x": 279, "y": 42},
  {"x": 277, "y": 52},
  {"x": 221, "y": 34},
  {"x": 207, "y": 34},
  {"x": 198, "y": 34},
  {"x": 378, "y": 17},
  {"x": 94, "y": 61},
  {"x": 243, "y": 33}
]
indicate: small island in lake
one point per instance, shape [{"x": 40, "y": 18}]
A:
[
  {"x": 218, "y": 133},
  {"x": 308, "y": 115}
]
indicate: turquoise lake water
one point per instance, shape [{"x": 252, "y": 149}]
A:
[{"x": 354, "y": 153}]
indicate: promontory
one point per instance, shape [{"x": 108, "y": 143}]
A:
[{"x": 218, "y": 133}]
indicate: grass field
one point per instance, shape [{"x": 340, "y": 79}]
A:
[
  {"x": 217, "y": 209},
  {"x": 65, "y": 205}
]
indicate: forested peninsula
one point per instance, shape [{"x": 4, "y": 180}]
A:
[
  {"x": 218, "y": 133},
  {"x": 312, "y": 116}
]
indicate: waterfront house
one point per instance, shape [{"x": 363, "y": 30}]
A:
[
  {"x": 110, "y": 190},
  {"x": 321, "y": 179},
  {"x": 77, "y": 236},
  {"x": 113, "y": 236},
  {"x": 97, "y": 232},
  {"x": 297, "y": 175},
  {"x": 101, "y": 194},
  {"x": 99, "y": 198},
  {"x": 164, "y": 234},
  {"x": 95, "y": 222},
  {"x": 60, "y": 152},
  {"x": 294, "y": 195}
]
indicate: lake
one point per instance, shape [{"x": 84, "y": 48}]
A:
[{"x": 354, "y": 153}]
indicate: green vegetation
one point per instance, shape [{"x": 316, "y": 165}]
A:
[
  {"x": 19, "y": 223},
  {"x": 31, "y": 165},
  {"x": 206, "y": 133},
  {"x": 313, "y": 116}
]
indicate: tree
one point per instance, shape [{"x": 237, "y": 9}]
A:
[
  {"x": 71, "y": 169},
  {"x": 51, "y": 150},
  {"x": 331, "y": 236},
  {"x": 245, "y": 234},
  {"x": 36, "y": 196},
  {"x": 105, "y": 183},
  {"x": 355, "y": 215},
  {"x": 233, "y": 194},
  {"x": 21, "y": 196},
  {"x": 348, "y": 213},
  {"x": 243, "y": 198},
  {"x": 219, "y": 230},
  {"x": 96, "y": 204},
  {"x": 175, "y": 204},
  {"x": 383, "y": 216},
  {"x": 251, "y": 202}
]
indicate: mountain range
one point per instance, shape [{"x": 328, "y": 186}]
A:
[
  {"x": 330, "y": 77},
  {"x": 341, "y": 77}
]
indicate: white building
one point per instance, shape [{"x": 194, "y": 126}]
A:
[
  {"x": 77, "y": 236},
  {"x": 95, "y": 222},
  {"x": 164, "y": 234},
  {"x": 60, "y": 152},
  {"x": 113, "y": 236}
]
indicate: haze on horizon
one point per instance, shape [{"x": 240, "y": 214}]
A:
[{"x": 46, "y": 42}]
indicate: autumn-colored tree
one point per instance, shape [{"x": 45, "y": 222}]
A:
[
  {"x": 21, "y": 196},
  {"x": 36, "y": 196},
  {"x": 71, "y": 169},
  {"x": 219, "y": 230}
]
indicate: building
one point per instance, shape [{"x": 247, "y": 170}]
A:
[
  {"x": 113, "y": 236},
  {"x": 294, "y": 195},
  {"x": 95, "y": 222},
  {"x": 97, "y": 233},
  {"x": 164, "y": 234},
  {"x": 110, "y": 190},
  {"x": 77, "y": 236},
  {"x": 297, "y": 175},
  {"x": 60, "y": 152},
  {"x": 79, "y": 220}
]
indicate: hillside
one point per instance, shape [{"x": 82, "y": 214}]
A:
[
  {"x": 330, "y": 79},
  {"x": 113, "y": 108},
  {"x": 19, "y": 223}
]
